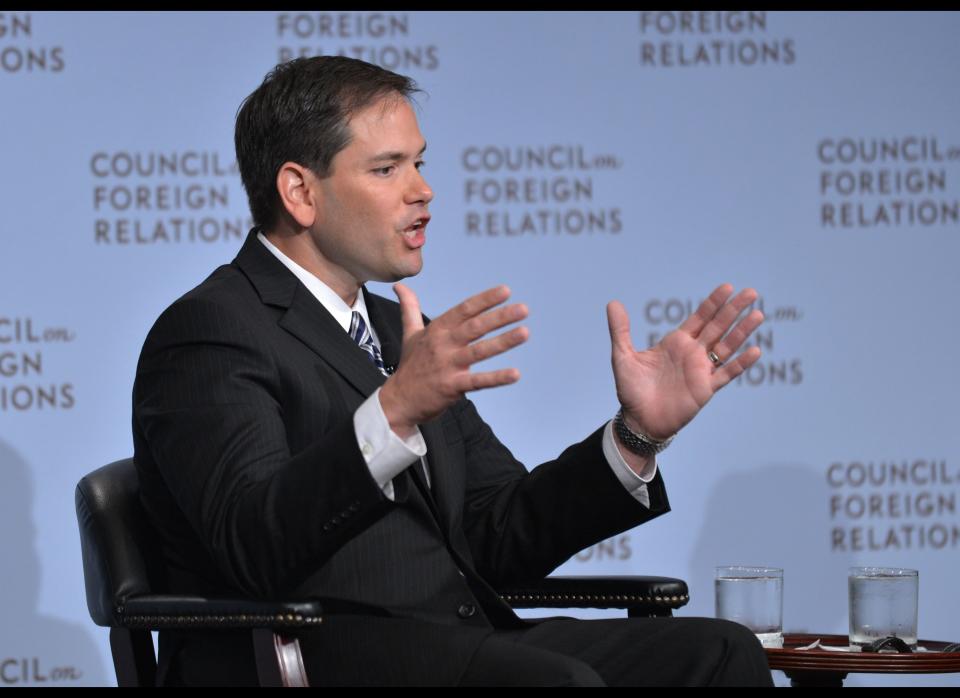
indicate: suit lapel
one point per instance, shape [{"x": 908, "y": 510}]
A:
[
  {"x": 305, "y": 317},
  {"x": 307, "y": 320}
]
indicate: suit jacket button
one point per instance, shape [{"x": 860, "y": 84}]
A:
[{"x": 467, "y": 610}]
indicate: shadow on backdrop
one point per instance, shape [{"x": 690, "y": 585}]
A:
[
  {"x": 775, "y": 516},
  {"x": 36, "y": 649}
]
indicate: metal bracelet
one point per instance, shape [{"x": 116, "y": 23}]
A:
[{"x": 637, "y": 442}]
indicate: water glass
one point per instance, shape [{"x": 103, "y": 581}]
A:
[
  {"x": 883, "y": 603},
  {"x": 752, "y": 596}
]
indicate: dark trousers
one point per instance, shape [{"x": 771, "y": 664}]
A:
[
  {"x": 554, "y": 652},
  {"x": 622, "y": 652}
]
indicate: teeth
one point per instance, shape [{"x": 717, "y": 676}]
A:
[{"x": 414, "y": 228}]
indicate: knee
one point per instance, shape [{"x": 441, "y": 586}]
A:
[
  {"x": 554, "y": 670},
  {"x": 735, "y": 634},
  {"x": 500, "y": 663},
  {"x": 579, "y": 674},
  {"x": 736, "y": 653}
]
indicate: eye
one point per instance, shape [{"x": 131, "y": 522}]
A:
[
  {"x": 420, "y": 164},
  {"x": 384, "y": 171}
]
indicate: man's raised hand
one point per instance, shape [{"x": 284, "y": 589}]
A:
[{"x": 434, "y": 369}]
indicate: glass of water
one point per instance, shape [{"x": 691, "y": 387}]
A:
[
  {"x": 752, "y": 596},
  {"x": 883, "y": 603}
]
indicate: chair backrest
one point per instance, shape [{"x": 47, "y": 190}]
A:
[
  {"x": 121, "y": 559},
  {"x": 114, "y": 533}
]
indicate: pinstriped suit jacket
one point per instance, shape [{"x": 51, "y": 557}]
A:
[{"x": 250, "y": 469}]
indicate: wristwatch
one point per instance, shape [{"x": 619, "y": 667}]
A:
[{"x": 635, "y": 442}]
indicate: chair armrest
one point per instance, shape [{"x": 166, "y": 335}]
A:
[
  {"x": 158, "y": 612},
  {"x": 640, "y": 595}
]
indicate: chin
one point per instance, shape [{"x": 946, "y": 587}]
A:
[
  {"x": 411, "y": 268},
  {"x": 400, "y": 274},
  {"x": 408, "y": 274}
]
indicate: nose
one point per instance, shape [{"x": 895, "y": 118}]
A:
[{"x": 418, "y": 191}]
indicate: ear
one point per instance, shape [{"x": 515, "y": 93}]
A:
[{"x": 297, "y": 193}]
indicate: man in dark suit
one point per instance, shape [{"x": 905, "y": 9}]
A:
[{"x": 299, "y": 437}]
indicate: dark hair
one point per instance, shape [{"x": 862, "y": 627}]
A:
[{"x": 301, "y": 113}]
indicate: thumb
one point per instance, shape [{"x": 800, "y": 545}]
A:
[
  {"x": 619, "y": 323},
  {"x": 409, "y": 310}
]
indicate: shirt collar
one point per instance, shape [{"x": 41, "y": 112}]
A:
[{"x": 333, "y": 303}]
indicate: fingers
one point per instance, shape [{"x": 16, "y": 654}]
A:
[
  {"x": 437, "y": 360},
  {"x": 472, "y": 319},
  {"x": 694, "y": 324},
  {"x": 479, "y": 351},
  {"x": 489, "y": 379},
  {"x": 732, "y": 342},
  {"x": 725, "y": 317},
  {"x": 716, "y": 320},
  {"x": 731, "y": 370},
  {"x": 473, "y": 306},
  {"x": 618, "y": 321},
  {"x": 477, "y": 326},
  {"x": 409, "y": 310}
]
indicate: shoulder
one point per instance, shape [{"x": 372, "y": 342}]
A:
[{"x": 224, "y": 304}]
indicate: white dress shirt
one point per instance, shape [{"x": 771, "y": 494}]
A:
[{"x": 386, "y": 454}]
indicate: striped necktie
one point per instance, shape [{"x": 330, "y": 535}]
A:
[{"x": 361, "y": 335}]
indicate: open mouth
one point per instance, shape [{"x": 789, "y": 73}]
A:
[{"x": 414, "y": 232}]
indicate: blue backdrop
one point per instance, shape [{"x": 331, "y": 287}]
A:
[{"x": 579, "y": 158}]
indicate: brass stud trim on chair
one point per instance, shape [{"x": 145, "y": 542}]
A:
[
  {"x": 238, "y": 621},
  {"x": 603, "y": 599}
]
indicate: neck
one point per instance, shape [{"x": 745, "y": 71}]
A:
[{"x": 298, "y": 247}]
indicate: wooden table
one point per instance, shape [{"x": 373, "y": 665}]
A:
[{"x": 825, "y": 668}]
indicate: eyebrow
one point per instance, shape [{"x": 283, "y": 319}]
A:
[{"x": 393, "y": 155}]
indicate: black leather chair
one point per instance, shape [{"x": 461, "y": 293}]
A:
[{"x": 122, "y": 578}]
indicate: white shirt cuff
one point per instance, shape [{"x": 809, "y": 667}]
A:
[
  {"x": 635, "y": 484},
  {"x": 386, "y": 454}
]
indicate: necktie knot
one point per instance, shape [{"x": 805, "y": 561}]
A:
[{"x": 360, "y": 334}]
